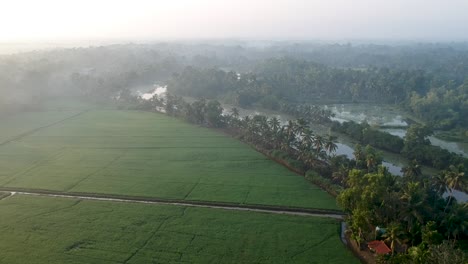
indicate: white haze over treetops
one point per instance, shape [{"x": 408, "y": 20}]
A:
[{"x": 66, "y": 20}]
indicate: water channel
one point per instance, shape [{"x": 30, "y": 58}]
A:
[{"x": 373, "y": 114}]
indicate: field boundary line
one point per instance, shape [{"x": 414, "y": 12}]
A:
[
  {"x": 201, "y": 204},
  {"x": 33, "y": 165},
  {"x": 27, "y": 133},
  {"x": 96, "y": 171},
  {"x": 151, "y": 236}
]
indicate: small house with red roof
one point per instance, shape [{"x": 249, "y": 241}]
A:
[{"x": 379, "y": 247}]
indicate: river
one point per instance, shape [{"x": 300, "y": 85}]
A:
[
  {"x": 387, "y": 116},
  {"x": 450, "y": 146},
  {"x": 373, "y": 114}
]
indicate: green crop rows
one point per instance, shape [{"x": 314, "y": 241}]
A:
[
  {"x": 144, "y": 154},
  {"x": 58, "y": 230}
]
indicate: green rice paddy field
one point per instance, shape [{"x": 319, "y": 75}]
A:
[
  {"x": 143, "y": 154},
  {"x": 58, "y": 230}
]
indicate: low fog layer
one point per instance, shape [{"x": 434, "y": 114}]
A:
[{"x": 102, "y": 72}]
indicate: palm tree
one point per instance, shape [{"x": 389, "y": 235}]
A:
[
  {"x": 305, "y": 144},
  {"x": 291, "y": 132},
  {"x": 414, "y": 205},
  {"x": 359, "y": 221},
  {"x": 438, "y": 183},
  {"x": 413, "y": 170},
  {"x": 262, "y": 129},
  {"x": 245, "y": 122},
  {"x": 274, "y": 124},
  {"x": 264, "y": 126},
  {"x": 455, "y": 179},
  {"x": 456, "y": 221},
  {"x": 330, "y": 145},
  {"x": 291, "y": 128},
  {"x": 309, "y": 158},
  {"x": 359, "y": 156},
  {"x": 322, "y": 154},
  {"x": 393, "y": 235},
  {"x": 318, "y": 143},
  {"x": 283, "y": 139},
  {"x": 301, "y": 125}
]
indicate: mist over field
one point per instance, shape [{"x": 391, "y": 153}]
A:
[{"x": 206, "y": 131}]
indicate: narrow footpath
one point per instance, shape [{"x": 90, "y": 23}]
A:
[{"x": 202, "y": 204}]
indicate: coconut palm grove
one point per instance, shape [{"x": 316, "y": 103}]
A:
[{"x": 137, "y": 132}]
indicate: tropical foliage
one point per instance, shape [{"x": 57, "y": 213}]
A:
[{"x": 414, "y": 208}]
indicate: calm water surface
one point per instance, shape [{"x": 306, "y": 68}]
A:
[{"x": 373, "y": 114}]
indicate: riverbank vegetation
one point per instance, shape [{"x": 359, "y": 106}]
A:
[
  {"x": 278, "y": 81},
  {"x": 414, "y": 146},
  {"x": 142, "y": 154},
  {"x": 422, "y": 219},
  {"x": 290, "y": 80},
  {"x": 420, "y": 223},
  {"x": 427, "y": 80},
  {"x": 294, "y": 140}
]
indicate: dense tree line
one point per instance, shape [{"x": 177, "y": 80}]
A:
[
  {"x": 414, "y": 146},
  {"x": 277, "y": 81},
  {"x": 294, "y": 142},
  {"x": 418, "y": 147},
  {"x": 366, "y": 134},
  {"x": 427, "y": 79},
  {"x": 412, "y": 210},
  {"x": 299, "y": 80},
  {"x": 296, "y": 81},
  {"x": 442, "y": 107},
  {"x": 94, "y": 73},
  {"x": 205, "y": 83},
  {"x": 447, "y": 61},
  {"x": 421, "y": 225}
]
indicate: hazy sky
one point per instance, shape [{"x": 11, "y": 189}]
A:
[{"x": 56, "y": 20}]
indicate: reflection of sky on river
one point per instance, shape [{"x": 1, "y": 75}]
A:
[
  {"x": 393, "y": 169},
  {"x": 342, "y": 149},
  {"x": 148, "y": 94},
  {"x": 450, "y": 146},
  {"x": 348, "y": 152},
  {"x": 373, "y": 114},
  {"x": 344, "y": 112},
  {"x": 395, "y": 131},
  {"x": 149, "y": 91},
  {"x": 460, "y": 196}
]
